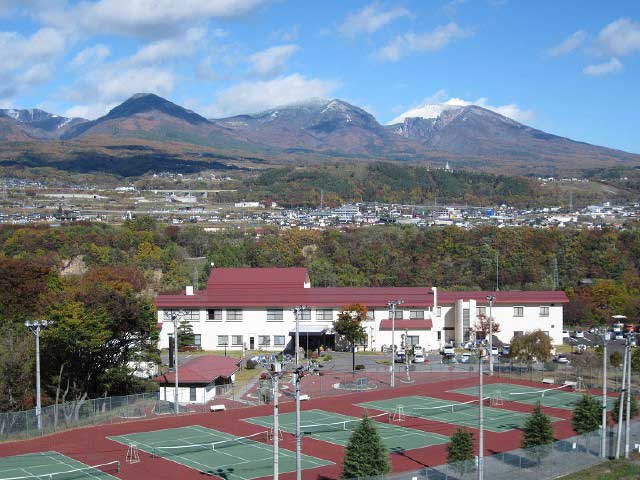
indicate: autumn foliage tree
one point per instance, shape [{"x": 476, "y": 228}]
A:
[
  {"x": 349, "y": 327},
  {"x": 531, "y": 347},
  {"x": 481, "y": 327}
]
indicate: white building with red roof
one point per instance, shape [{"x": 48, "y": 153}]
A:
[{"x": 252, "y": 308}]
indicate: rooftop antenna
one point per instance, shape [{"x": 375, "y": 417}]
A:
[{"x": 555, "y": 273}]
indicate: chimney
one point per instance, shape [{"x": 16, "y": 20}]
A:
[
  {"x": 435, "y": 299},
  {"x": 189, "y": 290}
]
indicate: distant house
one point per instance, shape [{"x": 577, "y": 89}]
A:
[{"x": 200, "y": 380}]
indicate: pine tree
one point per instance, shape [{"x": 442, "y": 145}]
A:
[
  {"x": 460, "y": 451},
  {"x": 616, "y": 408},
  {"x": 185, "y": 334},
  {"x": 586, "y": 415},
  {"x": 365, "y": 454},
  {"x": 538, "y": 434}
]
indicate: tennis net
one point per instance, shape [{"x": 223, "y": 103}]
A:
[
  {"x": 349, "y": 424},
  {"x": 96, "y": 471},
  {"x": 538, "y": 394},
  {"x": 449, "y": 408},
  {"x": 169, "y": 450}
]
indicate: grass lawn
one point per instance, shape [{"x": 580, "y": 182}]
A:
[{"x": 613, "y": 470}]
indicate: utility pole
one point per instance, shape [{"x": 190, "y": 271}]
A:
[
  {"x": 275, "y": 372},
  {"x": 481, "y": 418},
  {"x": 36, "y": 326},
  {"x": 490, "y": 299},
  {"x": 603, "y": 438},
  {"x": 555, "y": 273},
  {"x": 392, "y": 305},
  {"x": 497, "y": 273},
  {"x": 176, "y": 395},
  {"x": 622, "y": 397}
]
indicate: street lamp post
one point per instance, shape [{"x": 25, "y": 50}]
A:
[
  {"x": 36, "y": 326},
  {"x": 480, "y": 417},
  {"x": 603, "y": 437},
  {"x": 176, "y": 396},
  {"x": 490, "y": 299},
  {"x": 392, "y": 305},
  {"x": 296, "y": 312}
]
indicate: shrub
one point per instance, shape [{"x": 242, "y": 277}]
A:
[
  {"x": 327, "y": 357},
  {"x": 251, "y": 364},
  {"x": 359, "y": 367}
]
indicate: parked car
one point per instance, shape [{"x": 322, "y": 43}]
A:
[
  {"x": 494, "y": 350},
  {"x": 562, "y": 358},
  {"x": 465, "y": 358},
  {"x": 506, "y": 349},
  {"x": 418, "y": 358},
  {"x": 400, "y": 357},
  {"x": 448, "y": 350},
  {"x": 579, "y": 334}
]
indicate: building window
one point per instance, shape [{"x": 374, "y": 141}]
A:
[
  {"x": 481, "y": 311},
  {"x": 371, "y": 314},
  {"x": 544, "y": 311},
  {"x": 438, "y": 311},
  {"x": 192, "y": 394},
  {"x": 264, "y": 340},
  {"x": 190, "y": 315},
  {"x": 234, "y": 315},
  {"x": 416, "y": 314},
  {"x": 274, "y": 315},
  {"x": 223, "y": 340},
  {"x": 324, "y": 314},
  {"x": 399, "y": 314},
  {"x": 413, "y": 340},
  {"x": 439, "y": 336},
  {"x": 197, "y": 339},
  {"x": 305, "y": 314},
  {"x": 214, "y": 315},
  {"x": 236, "y": 339},
  {"x": 278, "y": 340},
  {"x": 518, "y": 311}
]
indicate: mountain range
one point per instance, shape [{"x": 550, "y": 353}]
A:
[{"x": 470, "y": 136}]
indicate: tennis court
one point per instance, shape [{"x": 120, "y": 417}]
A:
[
  {"x": 217, "y": 453},
  {"x": 337, "y": 428},
  {"x": 558, "y": 396},
  {"x": 53, "y": 466},
  {"x": 446, "y": 411}
]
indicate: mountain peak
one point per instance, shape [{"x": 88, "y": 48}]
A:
[{"x": 146, "y": 102}]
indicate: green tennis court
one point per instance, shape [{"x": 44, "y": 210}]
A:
[
  {"x": 337, "y": 428},
  {"x": 217, "y": 453},
  {"x": 447, "y": 411},
  {"x": 53, "y": 466},
  {"x": 548, "y": 397}
]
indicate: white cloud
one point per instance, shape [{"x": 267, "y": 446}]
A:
[
  {"x": 451, "y": 8},
  {"x": 619, "y": 38},
  {"x": 27, "y": 61},
  {"x": 250, "y": 97},
  {"x": 433, "y": 106},
  {"x": 145, "y": 18},
  {"x": 571, "y": 43},
  {"x": 175, "y": 47},
  {"x": 272, "y": 60},
  {"x": 612, "y": 66},
  {"x": 112, "y": 84},
  {"x": 89, "y": 112},
  {"x": 409, "y": 43},
  {"x": 370, "y": 19},
  {"x": 91, "y": 55}
]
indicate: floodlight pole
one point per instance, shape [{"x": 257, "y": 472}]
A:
[
  {"x": 491, "y": 298},
  {"x": 628, "y": 423},
  {"x": 276, "y": 369},
  {"x": 622, "y": 397},
  {"x": 36, "y": 326},
  {"x": 603, "y": 438},
  {"x": 481, "y": 418},
  {"x": 393, "y": 304},
  {"x": 296, "y": 313},
  {"x": 176, "y": 396}
]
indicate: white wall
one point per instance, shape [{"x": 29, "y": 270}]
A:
[{"x": 255, "y": 324}]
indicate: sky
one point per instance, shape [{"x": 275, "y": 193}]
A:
[{"x": 568, "y": 67}]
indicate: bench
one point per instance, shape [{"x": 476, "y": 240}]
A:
[
  {"x": 217, "y": 408},
  {"x": 304, "y": 396},
  {"x": 549, "y": 381},
  {"x": 569, "y": 383}
]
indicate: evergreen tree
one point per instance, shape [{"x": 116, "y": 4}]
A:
[
  {"x": 586, "y": 415},
  {"x": 185, "y": 334},
  {"x": 365, "y": 454},
  {"x": 616, "y": 408},
  {"x": 538, "y": 434},
  {"x": 460, "y": 451}
]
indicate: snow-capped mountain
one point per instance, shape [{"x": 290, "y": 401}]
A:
[{"x": 36, "y": 123}]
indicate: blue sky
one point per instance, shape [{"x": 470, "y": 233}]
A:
[{"x": 570, "y": 67}]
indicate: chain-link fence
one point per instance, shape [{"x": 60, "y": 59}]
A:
[{"x": 556, "y": 460}]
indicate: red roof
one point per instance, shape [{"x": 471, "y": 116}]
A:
[
  {"x": 204, "y": 369},
  {"x": 284, "y": 287},
  {"x": 413, "y": 324},
  {"x": 225, "y": 277}
]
